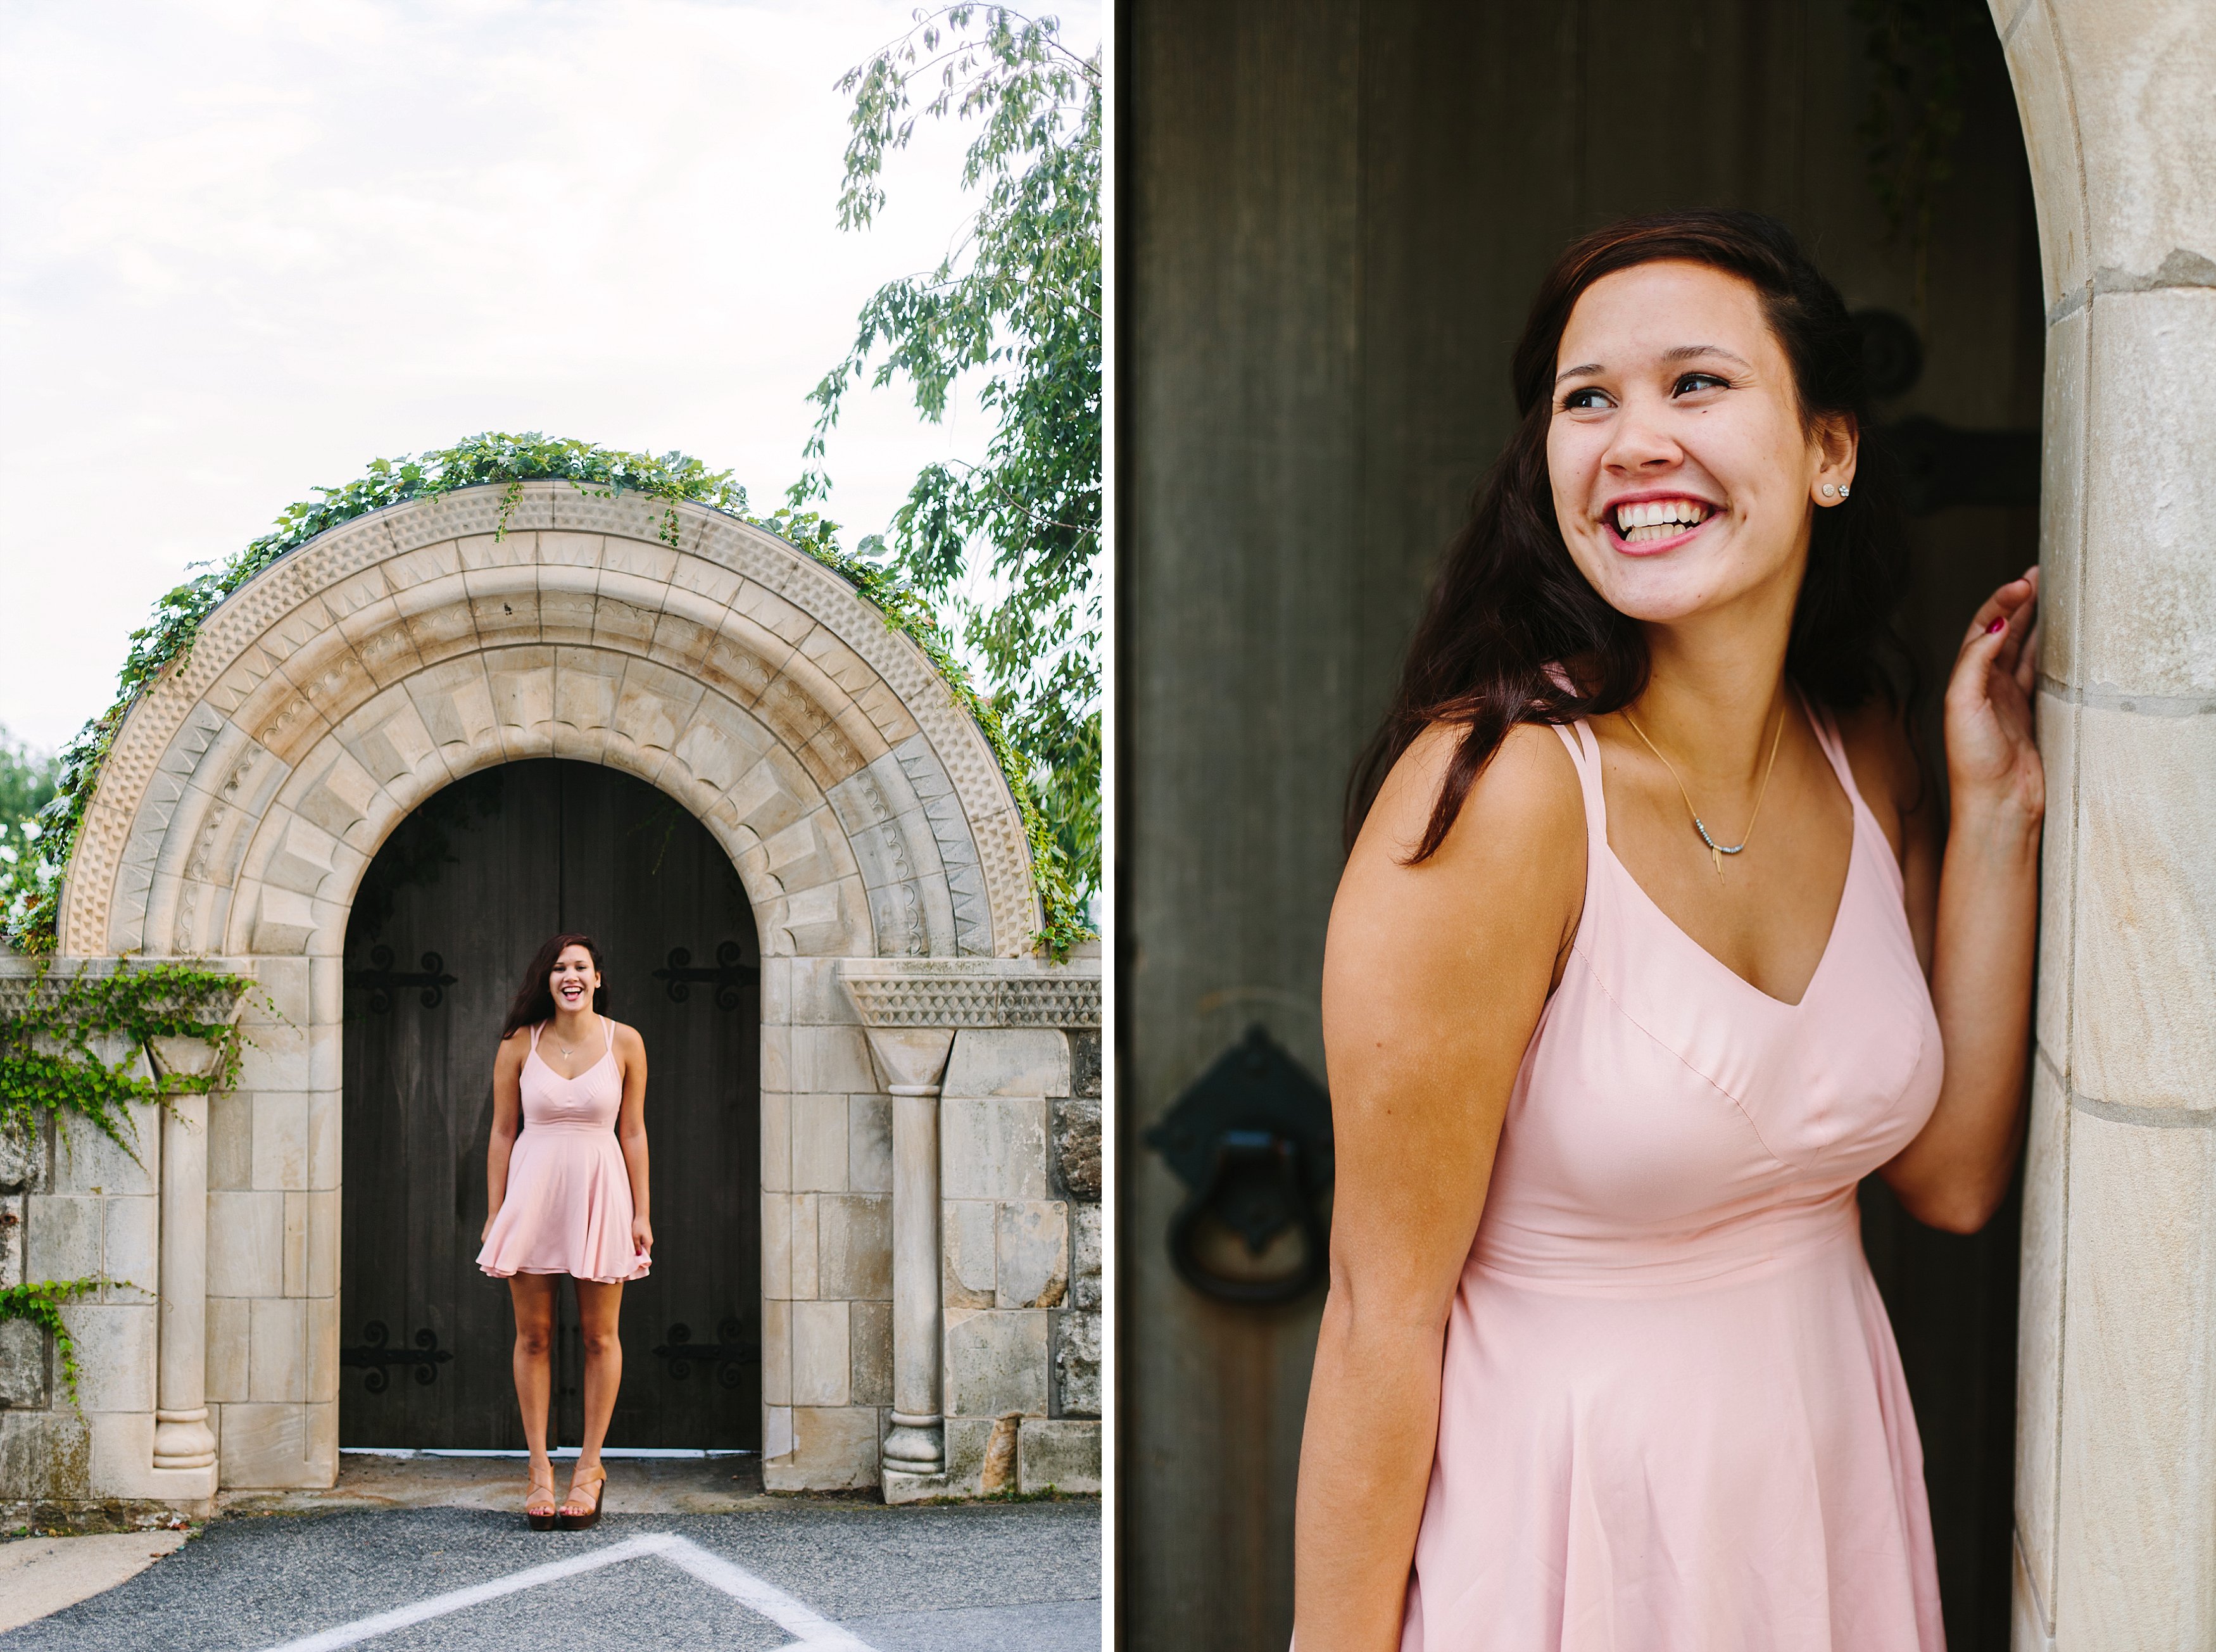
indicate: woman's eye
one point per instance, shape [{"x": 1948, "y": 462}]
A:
[
  {"x": 1584, "y": 400},
  {"x": 1689, "y": 382}
]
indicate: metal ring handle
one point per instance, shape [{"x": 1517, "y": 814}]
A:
[{"x": 1280, "y": 1157}]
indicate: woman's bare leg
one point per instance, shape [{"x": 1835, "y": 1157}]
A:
[
  {"x": 533, "y": 1295},
  {"x": 598, "y": 1309}
]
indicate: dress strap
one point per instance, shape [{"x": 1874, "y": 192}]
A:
[
  {"x": 1827, "y": 736},
  {"x": 535, "y": 1026},
  {"x": 1584, "y": 753},
  {"x": 607, "y": 1037}
]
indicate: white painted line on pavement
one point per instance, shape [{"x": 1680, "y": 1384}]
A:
[
  {"x": 813, "y": 1629},
  {"x": 439, "y": 1605},
  {"x": 795, "y": 1617}
]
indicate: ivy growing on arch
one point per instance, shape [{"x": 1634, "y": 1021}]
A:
[
  {"x": 50, "y": 1049},
  {"x": 30, "y": 877}
]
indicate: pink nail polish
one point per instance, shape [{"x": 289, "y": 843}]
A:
[{"x": 1998, "y": 624}]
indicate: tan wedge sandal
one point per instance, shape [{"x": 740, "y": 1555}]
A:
[
  {"x": 542, "y": 1518},
  {"x": 599, "y": 1483}
]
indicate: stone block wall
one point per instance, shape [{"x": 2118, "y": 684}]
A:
[
  {"x": 1076, "y": 1327},
  {"x": 1020, "y": 1237},
  {"x": 75, "y": 1205},
  {"x": 827, "y": 1236},
  {"x": 272, "y": 1235},
  {"x": 2115, "y": 1484}
]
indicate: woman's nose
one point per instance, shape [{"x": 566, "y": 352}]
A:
[{"x": 1640, "y": 443}]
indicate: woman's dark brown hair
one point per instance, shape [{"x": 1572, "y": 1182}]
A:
[
  {"x": 534, "y": 999},
  {"x": 1509, "y": 603}
]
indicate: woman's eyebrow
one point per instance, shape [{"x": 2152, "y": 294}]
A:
[
  {"x": 1684, "y": 352},
  {"x": 1681, "y": 352}
]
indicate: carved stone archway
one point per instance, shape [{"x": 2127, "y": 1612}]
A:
[{"x": 248, "y": 791}]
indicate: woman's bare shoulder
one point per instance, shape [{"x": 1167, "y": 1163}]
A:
[
  {"x": 1443, "y": 966},
  {"x": 628, "y": 1041},
  {"x": 516, "y": 1045},
  {"x": 1526, "y": 800},
  {"x": 1508, "y": 879}
]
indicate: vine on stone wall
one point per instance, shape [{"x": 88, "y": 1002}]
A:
[
  {"x": 41, "y": 1304},
  {"x": 30, "y": 886},
  {"x": 50, "y": 1049}
]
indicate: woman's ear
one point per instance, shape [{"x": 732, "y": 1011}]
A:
[{"x": 1837, "y": 440}]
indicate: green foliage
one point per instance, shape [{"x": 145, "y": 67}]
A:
[
  {"x": 41, "y": 1304},
  {"x": 26, "y": 786},
  {"x": 49, "y": 1058},
  {"x": 1915, "y": 114},
  {"x": 30, "y": 884},
  {"x": 1018, "y": 298}
]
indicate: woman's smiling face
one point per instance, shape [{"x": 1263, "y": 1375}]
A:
[
  {"x": 1683, "y": 472},
  {"x": 574, "y": 979}
]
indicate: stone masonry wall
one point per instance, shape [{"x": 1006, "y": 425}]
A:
[
  {"x": 2116, "y": 1483},
  {"x": 1020, "y": 1238},
  {"x": 827, "y": 1236},
  {"x": 72, "y": 1208},
  {"x": 273, "y": 1234}
]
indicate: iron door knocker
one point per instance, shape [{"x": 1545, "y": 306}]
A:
[{"x": 1252, "y": 1140}]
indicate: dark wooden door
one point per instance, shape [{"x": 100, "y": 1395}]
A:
[{"x": 448, "y": 915}]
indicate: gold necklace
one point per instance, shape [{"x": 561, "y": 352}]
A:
[{"x": 1718, "y": 851}]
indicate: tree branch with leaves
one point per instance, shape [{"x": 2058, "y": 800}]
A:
[{"x": 1017, "y": 297}]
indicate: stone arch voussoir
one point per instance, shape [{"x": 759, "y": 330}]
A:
[{"x": 247, "y": 791}]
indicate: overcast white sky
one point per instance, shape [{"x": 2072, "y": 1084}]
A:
[{"x": 248, "y": 245}]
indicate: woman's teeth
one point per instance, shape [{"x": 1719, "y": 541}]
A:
[{"x": 1658, "y": 518}]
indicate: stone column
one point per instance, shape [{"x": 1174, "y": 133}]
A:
[
  {"x": 2116, "y": 1378},
  {"x": 911, "y": 1061},
  {"x": 182, "y": 1438}
]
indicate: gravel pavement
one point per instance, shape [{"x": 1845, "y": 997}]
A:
[{"x": 1024, "y": 1576}]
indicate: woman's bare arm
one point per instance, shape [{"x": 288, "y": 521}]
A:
[
  {"x": 1435, "y": 977},
  {"x": 630, "y": 1131},
  {"x": 506, "y": 1119},
  {"x": 1981, "y": 914}
]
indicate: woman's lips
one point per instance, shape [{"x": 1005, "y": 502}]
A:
[{"x": 1649, "y": 547}]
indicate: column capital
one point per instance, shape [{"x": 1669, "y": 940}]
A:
[
  {"x": 911, "y": 1060},
  {"x": 955, "y": 993}
]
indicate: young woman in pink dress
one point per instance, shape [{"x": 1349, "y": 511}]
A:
[
  {"x": 566, "y": 1191},
  {"x": 1647, "y": 949}
]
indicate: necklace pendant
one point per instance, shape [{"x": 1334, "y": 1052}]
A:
[{"x": 1716, "y": 855}]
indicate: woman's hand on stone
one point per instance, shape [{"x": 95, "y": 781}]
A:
[{"x": 1993, "y": 749}]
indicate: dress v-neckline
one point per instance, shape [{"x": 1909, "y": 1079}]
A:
[
  {"x": 607, "y": 1054},
  {"x": 1823, "y": 959},
  {"x": 1856, "y": 809}
]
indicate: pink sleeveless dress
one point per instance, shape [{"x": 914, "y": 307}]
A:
[
  {"x": 567, "y": 1208},
  {"x": 1672, "y": 1415}
]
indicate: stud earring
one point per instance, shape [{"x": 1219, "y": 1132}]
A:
[
  {"x": 1843, "y": 492},
  {"x": 1829, "y": 491}
]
